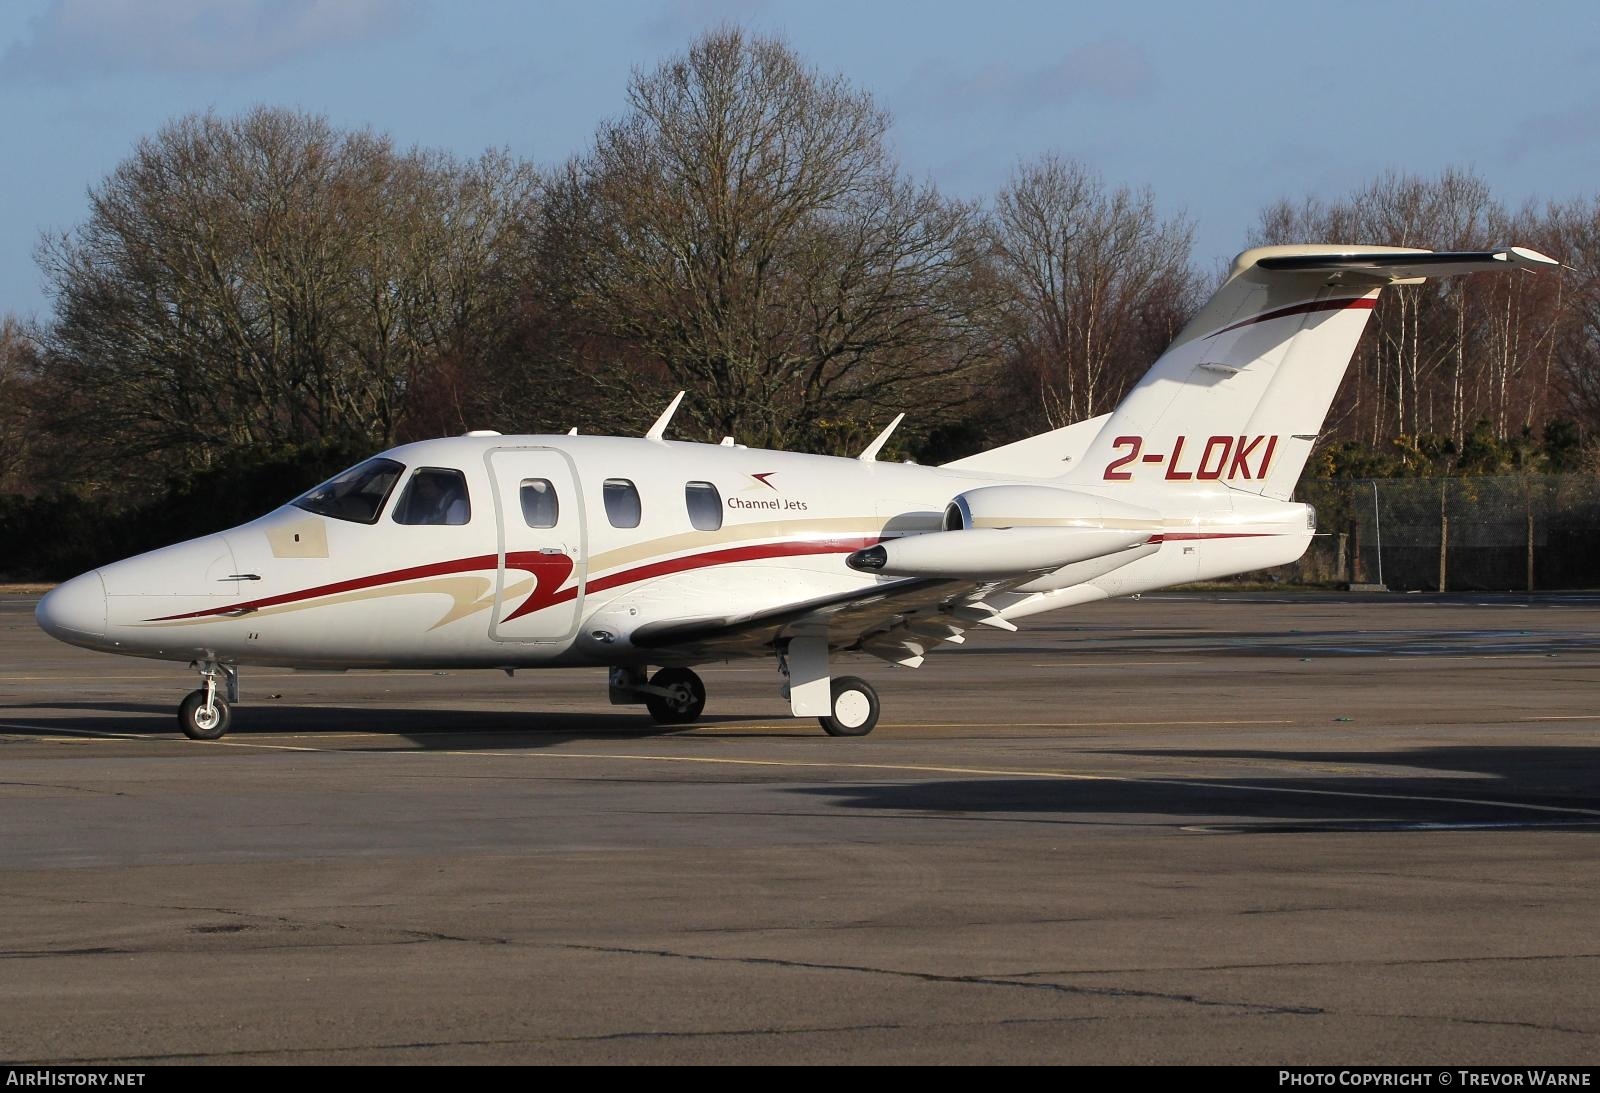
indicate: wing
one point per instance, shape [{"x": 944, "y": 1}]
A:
[
  {"x": 942, "y": 584},
  {"x": 897, "y": 621}
]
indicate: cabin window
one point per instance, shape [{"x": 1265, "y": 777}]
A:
[
  {"x": 622, "y": 503},
  {"x": 705, "y": 505},
  {"x": 435, "y": 495},
  {"x": 357, "y": 494},
  {"x": 540, "y": 508}
]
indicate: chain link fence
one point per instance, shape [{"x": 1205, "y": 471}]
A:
[{"x": 1522, "y": 533}]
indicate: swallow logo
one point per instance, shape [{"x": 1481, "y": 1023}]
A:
[{"x": 762, "y": 501}]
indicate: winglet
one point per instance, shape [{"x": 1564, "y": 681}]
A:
[
  {"x": 872, "y": 450},
  {"x": 660, "y": 427}
]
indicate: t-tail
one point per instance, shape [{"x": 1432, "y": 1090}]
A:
[{"x": 1241, "y": 396}]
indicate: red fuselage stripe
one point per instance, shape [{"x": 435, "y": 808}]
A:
[
  {"x": 551, "y": 570},
  {"x": 542, "y": 566},
  {"x": 725, "y": 557},
  {"x": 394, "y": 576},
  {"x": 693, "y": 561}
]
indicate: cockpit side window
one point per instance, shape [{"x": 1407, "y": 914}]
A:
[
  {"x": 623, "y": 508},
  {"x": 357, "y": 494},
  {"x": 705, "y": 505},
  {"x": 435, "y": 495}
]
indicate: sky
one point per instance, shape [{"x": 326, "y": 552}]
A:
[{"x": 1220, "y": 108}]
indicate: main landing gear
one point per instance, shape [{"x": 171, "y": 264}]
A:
[
  {"x": 845, "y": 706},
  {"x": 204, "y": 714},
  {"x": 855, "y": 708},
  {"x": 674, "y": 696}
]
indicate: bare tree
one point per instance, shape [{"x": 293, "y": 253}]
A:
[
  {"x": 1437, "y": 356},
  {"x": 19, "y": 395},
  {"x": 269, "y": 280},
  {"x": 744, "y": 233},
  {"x": 1097, "y": 283},
  {"x": 1572, "y": 233}
]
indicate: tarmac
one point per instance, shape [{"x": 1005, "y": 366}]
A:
[{"x": 1244, "y": 828}]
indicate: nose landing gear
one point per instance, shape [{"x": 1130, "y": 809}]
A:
[{"x": 203, "y": 714}]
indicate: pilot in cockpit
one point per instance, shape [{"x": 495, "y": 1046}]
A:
[{"x": 436, "y": 497}]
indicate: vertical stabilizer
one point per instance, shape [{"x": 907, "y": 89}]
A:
[{"x": 1240, "y": 397}]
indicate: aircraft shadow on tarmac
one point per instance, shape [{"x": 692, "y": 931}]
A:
[
  {"x": 1116, "y": 642},
  {"x": 1512, "y": 788},
  {"x": 419, "y": 729}
]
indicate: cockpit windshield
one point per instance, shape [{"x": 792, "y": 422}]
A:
[{"x": 357, "y": 494}]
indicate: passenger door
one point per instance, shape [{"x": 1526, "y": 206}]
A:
[{"x": 538, "y": 594}]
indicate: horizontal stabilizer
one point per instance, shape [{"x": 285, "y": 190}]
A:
[
  {"x": 1048, "y": 455},
  {"x": 1389, "y": 266}
]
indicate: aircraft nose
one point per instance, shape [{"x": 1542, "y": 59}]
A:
[{"x": 75, "y": 610}]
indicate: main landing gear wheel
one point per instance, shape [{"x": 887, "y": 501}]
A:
[
  {"x": 855, "y": 708},
  {"x": 202, "y": 720},
  {"x": 683, "y": 703}
]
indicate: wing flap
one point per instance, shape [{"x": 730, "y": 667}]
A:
[{"x": 897, "y": 620}]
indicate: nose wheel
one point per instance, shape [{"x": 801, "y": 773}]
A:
[{"x": 204, "y": 714}]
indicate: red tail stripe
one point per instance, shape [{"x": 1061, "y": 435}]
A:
[{"x": 1358, "y": 303}]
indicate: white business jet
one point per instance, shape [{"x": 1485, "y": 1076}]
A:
[{"x": 491, "y": 551}]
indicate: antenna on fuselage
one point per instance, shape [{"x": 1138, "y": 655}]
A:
[
  {"x": 572, "y": 431},
  {"x": 660, "y": 427},
  {"x": 872, "y": 450}
]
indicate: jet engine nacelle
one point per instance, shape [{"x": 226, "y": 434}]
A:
[
  {"x": 992, "y": 552},
  {"x": 1044, "y": 506},
  {"x": 991, "y": 531}
]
